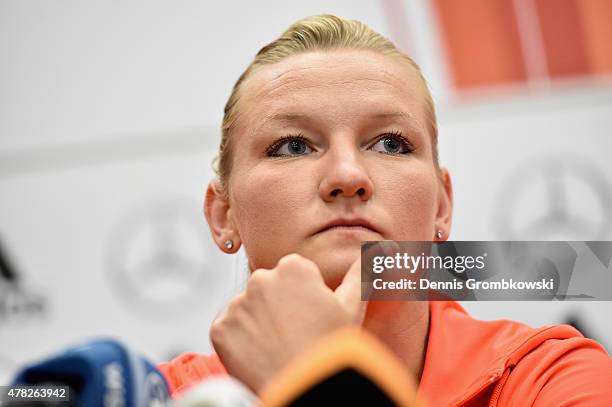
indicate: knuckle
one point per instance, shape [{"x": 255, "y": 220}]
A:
[
  {"x": 257, "y": 286},
  {"x": 236, "y": 304},
  {"x": 257, "y": 281},
  {"x": 224, "y": 327},
  {"x": 289, "y": 260},
  {"x": 217, "y": 330},
  {"x": 297, "y": 263}
]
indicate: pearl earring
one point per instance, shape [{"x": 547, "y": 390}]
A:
[
  {"x": 229, "y": 244},
  {"x": 439, "y": 234}
]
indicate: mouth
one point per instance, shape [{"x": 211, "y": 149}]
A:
[{"x": 348, "y": 225}]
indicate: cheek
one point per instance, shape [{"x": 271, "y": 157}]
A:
[
  {"x": 411, "y": 202},
  {"x": 268, "y": 208}
]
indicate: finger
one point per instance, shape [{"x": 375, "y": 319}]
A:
[
  {"x": 349, "y": 292},
  {"x": 298, "y": 268}
]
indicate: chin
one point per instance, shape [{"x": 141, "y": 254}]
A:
[{"x": 334, "y": 266}]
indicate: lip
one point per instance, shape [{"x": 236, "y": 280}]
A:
[{"x": 349, "y": 224}]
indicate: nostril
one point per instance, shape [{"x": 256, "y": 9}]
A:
[
  {"x": 335, "y": 192},
  {"x": 361, "y": 191}
]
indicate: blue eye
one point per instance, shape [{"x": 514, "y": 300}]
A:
[
  {"x": 392, "y": 144},
  {"x": 289, "y": 147}
]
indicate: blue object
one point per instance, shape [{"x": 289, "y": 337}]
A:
[{"x": 101, "y": 373}]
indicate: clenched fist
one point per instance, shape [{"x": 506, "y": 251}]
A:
[{"x": 282, "y": 312}]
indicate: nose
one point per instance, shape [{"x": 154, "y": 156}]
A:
[{"x": 345, "y": 176}]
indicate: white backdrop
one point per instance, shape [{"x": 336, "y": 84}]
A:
[{"x": 109, "y": 117}]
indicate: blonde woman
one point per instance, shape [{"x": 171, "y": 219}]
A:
[{"x": 329, "y": 138}]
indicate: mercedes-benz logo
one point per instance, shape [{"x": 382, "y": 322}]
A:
[
  {"x": 160, "y": 257},
  {"x": 555, "y": 199}
]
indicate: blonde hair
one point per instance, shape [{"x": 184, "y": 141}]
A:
[{"x": 322, "y": 32}]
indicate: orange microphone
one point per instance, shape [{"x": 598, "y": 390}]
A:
[{"x": 348, "y": 366}]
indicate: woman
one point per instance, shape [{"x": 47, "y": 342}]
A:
[{"x": 329, "y": 139}]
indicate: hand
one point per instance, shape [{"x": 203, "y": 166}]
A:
[{"x": 282, "y": 312}]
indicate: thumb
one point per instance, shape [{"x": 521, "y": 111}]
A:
[{"x": 349, "y": 292}]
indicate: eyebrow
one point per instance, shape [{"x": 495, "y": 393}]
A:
[
  {"x": 293, "y": 117},
  {"x": 415, "y": 125},
  {"x": 393, "y": 115},
  {"x": 287, "y": 117}
]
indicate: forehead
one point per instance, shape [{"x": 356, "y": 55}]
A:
[{"x": 338, "y": 84}]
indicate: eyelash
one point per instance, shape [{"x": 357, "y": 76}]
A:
[
  {"x": 282, "y": 140},
  {"x": 394, "y": 133},
  {"x": 397, "y": 134}
]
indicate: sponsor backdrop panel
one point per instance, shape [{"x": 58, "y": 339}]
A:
[
  {"x": 118, "y": 249},
  {"x": 109, "y": 124}
]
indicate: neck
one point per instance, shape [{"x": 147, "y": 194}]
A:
[{"x": 403, "y": 327}]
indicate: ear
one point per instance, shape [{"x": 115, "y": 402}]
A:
[
  {"x": 444, "y": 217},
  {"x": 219, "y": 217}
]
